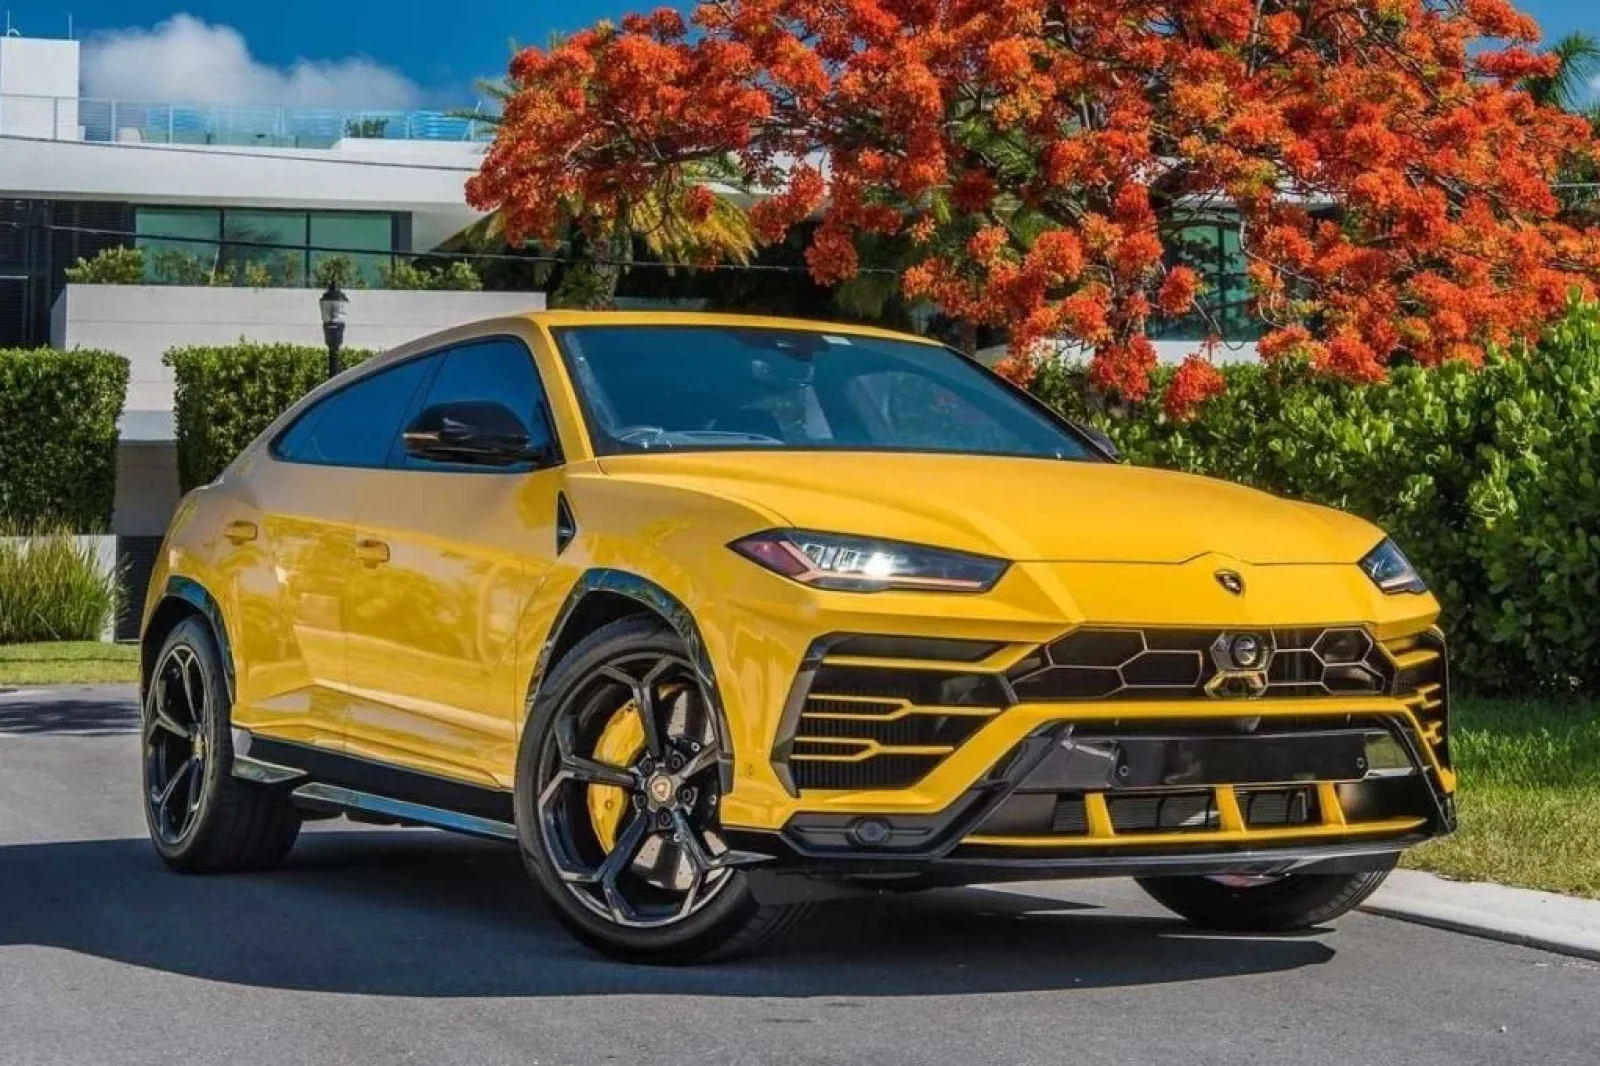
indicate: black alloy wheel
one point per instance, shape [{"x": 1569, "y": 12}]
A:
[
  {"x": 618, "y": 800},
  {"x": 175, "y": 751}
]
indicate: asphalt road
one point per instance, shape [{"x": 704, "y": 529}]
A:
[{"x": 394, "y": 946}]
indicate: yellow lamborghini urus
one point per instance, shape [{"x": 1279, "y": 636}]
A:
[{"x": 714, "y": 617}]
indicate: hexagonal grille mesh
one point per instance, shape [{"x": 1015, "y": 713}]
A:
[{"x": 1185, "y": 664}]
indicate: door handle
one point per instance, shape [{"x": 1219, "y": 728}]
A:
[
  {"x": 372, "y": 552},
  {"x": 239, "y": 532}
]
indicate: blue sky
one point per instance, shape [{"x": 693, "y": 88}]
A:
[{"x": 297, "y": 51}]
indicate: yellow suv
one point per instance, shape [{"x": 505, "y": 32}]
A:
[{"x": 716, "y": 616}]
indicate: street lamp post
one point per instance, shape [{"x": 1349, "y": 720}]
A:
[{"x": 334, "y": 305}]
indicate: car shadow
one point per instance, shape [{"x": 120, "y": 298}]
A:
[
  {"x": 79, "y": 711},
  {"x": 415, "y": 913}
]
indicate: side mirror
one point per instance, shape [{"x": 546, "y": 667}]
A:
[
  {"x": 475, "y": 433},
  {"x": 1101, "y": 442}
]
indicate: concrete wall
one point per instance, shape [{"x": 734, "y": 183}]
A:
[
  {"x": 1169, "y": 353},
  {"x": 141, "y": 322},
  {"x": 38, "y": 88}
]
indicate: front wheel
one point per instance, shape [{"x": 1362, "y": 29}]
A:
[
  {"x": 1264, "y": 905},
  {"x": 202, "y": 819},
  {"x": 617, "y": 800}
]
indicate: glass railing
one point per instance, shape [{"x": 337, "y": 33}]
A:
[{"x": 123, "y": 122}]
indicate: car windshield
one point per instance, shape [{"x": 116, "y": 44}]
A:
[{"x": 654, "y": 388}]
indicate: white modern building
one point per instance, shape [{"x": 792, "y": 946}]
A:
[{"x": 222, "y": 186}]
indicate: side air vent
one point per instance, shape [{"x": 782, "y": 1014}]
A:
[
  {"x": 566, "y": 524},
  {"x": 880, "y": 725},
  {"x": 1422, "y": 682}
]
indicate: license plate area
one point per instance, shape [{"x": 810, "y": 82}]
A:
[
  {"x": 1093, "y": 764},
  {"x": 1168, "y": 762}
]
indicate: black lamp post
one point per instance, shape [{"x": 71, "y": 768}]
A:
[{"x": 334, "y": 305}]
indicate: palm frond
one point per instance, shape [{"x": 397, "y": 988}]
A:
[{"x": 1578, "y": 56}]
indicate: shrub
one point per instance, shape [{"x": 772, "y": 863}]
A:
[
  {"x": 1486, "y": 478},
  {"x": 227, "y": 395},
  {"x": 111, "y": 266},
  {"x": 337, "y": 270},
  {"x": 52, "y": 588},
  {"x": 459, "y": 275},
  {"x": 58, "y": 436}
]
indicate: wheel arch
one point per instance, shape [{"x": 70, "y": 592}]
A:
[
  {"x": 603, "y": 595},
  {"x": 183, "y": 598}
]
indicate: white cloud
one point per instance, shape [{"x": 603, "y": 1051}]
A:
[{"x": 185, "y": 60}]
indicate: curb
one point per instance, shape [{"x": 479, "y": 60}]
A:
[{"x": 1544, "y": 920}]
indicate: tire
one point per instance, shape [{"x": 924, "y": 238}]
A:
[
  {"x": 726, "y": 919},
  {"x": 225, "y": 824},
  {"x": 1296, "y": 901}
]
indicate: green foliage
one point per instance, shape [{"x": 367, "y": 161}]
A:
[
  {"x": 174, "y": 266},
  {"x": 52, "y": 588},
  {"x": 459, "y": 275},
  {"x": 58, "y": 436},
  {"x": 227, "y": 395},
  {"x": 337, "y": 270},
  {"x": 111, "y": 266},
  {"x": 1487, "y": 479},
  {"x": 367, "y": 128}
]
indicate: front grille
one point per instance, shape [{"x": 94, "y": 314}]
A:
[
  {"x": 1277, "y": 806},
  {"x": 1158, "y": 811},
  {"x": 1186, "y": 664},
  {"x": 1163, "y": 812}
]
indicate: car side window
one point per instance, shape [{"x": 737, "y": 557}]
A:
[
  {"x": 354, "y": 426},
  {"x": 500, "y": 369}
]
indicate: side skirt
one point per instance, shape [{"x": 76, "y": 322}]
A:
[{"x": 331, "y": 782}]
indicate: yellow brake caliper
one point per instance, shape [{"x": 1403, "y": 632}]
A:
[{"x": 620, "y": 744}]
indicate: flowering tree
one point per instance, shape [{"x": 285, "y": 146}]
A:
[{"x": 1393, "y": 185}]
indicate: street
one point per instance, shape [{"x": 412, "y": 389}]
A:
[{"x": 376, "y": 945}]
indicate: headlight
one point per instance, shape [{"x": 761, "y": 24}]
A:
[
  {"x": 1390, "y": 570},
  {"x": 862, "y": 564}
]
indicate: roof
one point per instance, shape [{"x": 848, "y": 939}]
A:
[{"x": 558, "y": 319}]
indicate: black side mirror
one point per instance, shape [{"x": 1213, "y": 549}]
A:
[
  {"x": 475, "y": 433},
  {"x": 1101, "y": 442}
]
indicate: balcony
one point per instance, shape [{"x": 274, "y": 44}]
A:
[{"x": 65, "y": 118}]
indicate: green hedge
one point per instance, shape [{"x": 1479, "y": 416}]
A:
[
  {"x": 58, "y": 437},
  {"x": 227, "y": 395},
  {"x": 1486, "y": 478}
]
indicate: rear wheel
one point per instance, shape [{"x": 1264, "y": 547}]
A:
[
  {"x": 1276, "y": 904},
  {"x": 617, "y": 805},
  {"x": 201, "y": 818}
]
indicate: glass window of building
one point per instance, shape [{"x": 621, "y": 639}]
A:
[
  {"x": 250, "y": 246},
  {"x": 1209, "y": 245},
  {"x": 357, "y": 232},
  {"x": 179, "y": 243},
  {"x": 265, "y": 247}
]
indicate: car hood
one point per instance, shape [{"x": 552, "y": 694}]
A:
[{"x": 1019, "y": 509}]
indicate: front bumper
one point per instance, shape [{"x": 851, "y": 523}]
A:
[
  {"x": 1010, "y": 826},
  {"x": 1337, "y": 757}
]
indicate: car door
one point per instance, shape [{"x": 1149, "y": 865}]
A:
[
  {"x": 288, "y": 545},
  {"x": 450, "y": 556}
]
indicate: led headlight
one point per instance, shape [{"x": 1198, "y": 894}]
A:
[
  {"x": 863, "y": 564},
  {"x": 1390, "y": 570}
]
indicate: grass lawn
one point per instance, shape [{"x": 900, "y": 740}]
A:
[
  {"x": 67, "y": 662},
  {"x": 1530, "y": 796}
]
